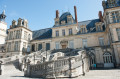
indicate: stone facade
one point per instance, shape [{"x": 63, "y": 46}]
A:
[
  {"x": 3, "y": 34},
  {"x": 18, "y": 39},
  {"x": 99, "y": 37}
]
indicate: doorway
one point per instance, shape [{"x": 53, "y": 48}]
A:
[
  {"x": 108, "y": 60},
  {"x": 64, "y": 46}
]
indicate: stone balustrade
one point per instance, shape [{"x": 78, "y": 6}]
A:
[{"x": 65, "y": 66}]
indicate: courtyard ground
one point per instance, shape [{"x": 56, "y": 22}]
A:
[{"x": 92, "y": 74}]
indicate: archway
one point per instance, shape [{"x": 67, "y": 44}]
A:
[
  {"x": 92, "y": 59},
  {"x": 108, "y": 60}
]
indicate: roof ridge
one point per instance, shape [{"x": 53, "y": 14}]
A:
[
  {"x": 42, "y": 29},
  {"x": 87, "y": 20}
]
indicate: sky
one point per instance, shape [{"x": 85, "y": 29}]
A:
[{"x": 41, "y": 13}]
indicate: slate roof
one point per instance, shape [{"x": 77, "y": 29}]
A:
[
  {"x": 42, "y": 34},
  {"x": 63, "y": 17},
  {"x": 89, "y": 24},
  {"x": 47, "y": 33},
  {"x": 106, "y": 4}
]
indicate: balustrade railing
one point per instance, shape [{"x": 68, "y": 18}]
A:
[{"x": 53, "y": 67}]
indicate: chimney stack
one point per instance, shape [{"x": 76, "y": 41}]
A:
[
  {"x": 100, "y": 16},
  {"x": 57, "y": 14},
  {"x": 75, "y": 10}
]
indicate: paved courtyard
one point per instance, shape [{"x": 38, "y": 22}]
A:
[{"x": 92, "y": 74}]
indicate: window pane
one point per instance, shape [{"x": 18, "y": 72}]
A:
[
  {"x": 70, "y": 31},
  {"x": 101, "y": 41},
  {"x": 71, "y": 44},
  {"x": 57, "y": 45},
  {"x": 63, "y": 32},
  {"x": 39, "y": 46},
  {"x": 118, "y": 33},
  {"x": 47, "y": 46},
  {"x": 84, "y": 42},
  {"x": 57, "y": 33}
]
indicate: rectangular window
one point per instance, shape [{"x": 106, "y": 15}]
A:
[
  {"x": 99, "y": 28},
  {"x": 57, "y": 45},
  {"x": 116, "y": 17},
  {"x": 63, "y": 32},
  {"x": 47, "y": 46},
  {"x": 16, "y": 46},
  {"x": 118, "y": 33},
  {"x": 10, "y": 35},
  {"x": 39, "y": 46},
  {"x": 25, "y": 35},
  {"x": 101, "y": 41},
  {"x": 9, "y": 47},
  {"x": 33, "y": 47},
  {"x": 70, "y": 31},
  {"x": 57, "y": 33},
  {"x": 84, "y": 42},
  {"x": 83, "y": 30},
  {"x": 71, "y": 44}
]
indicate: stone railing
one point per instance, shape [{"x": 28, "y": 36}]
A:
[
  {"x": 9, "y": 59},
  {"x": 51, "y": 68}
]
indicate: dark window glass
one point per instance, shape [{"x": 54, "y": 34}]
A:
[
  {"x": 63, "y": 32},
  {"x": 33, "y": 47},
  {"x": 70, "y": 31},
  {"x": 57, "y": 33},
  {"x": 47, "y": 46},
  {"x": 39, "y": 46}
]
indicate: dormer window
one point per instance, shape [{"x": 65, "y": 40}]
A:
[
  {"x": 62, "y": 22},
  {"x": 69, "y": 19},
  {"x": 83, "y": 29},
  {"x": 56, "y": 21},
  {"x": 99, "y": 26}
]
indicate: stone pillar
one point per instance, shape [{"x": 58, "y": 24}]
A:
[
  {"x": 36, "y": 47},
  {"x": 27, "y": 71},
  {"x": 115, "y": 36},
  {"x": 1, "y": 68},
  {"x": 110, "y": 18},
  {"x": 116, "y": 55}
]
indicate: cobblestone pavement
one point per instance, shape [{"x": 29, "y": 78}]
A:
[{"x": 92, "y": 74}]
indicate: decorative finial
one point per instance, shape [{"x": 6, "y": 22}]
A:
[{"x": 3, "y": 12}]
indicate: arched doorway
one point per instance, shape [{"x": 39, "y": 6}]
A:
[
  {"x": 108, "y": 60},
  {"x": 92, "y": 59}
]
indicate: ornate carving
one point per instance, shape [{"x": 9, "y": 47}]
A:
[{"x": 64, "y": 42}]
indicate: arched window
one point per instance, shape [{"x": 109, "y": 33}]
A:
[
  {"x": 107, "y": 57},
  {"x": 92, "y": 59}
]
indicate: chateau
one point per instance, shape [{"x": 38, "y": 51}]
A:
[{"x": 99, "y": 37}]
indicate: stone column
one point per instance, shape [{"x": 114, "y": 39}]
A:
[
  {"x": 36, "y": 47},
  {"x": 110, "y": 18},
  {"x": 27, "y": 71},
  {"x": 1, "y": 68},
  {"x": 116, "y": 55},
  {"x": 115, "y": 36}
]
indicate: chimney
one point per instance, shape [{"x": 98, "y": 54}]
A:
[
  {"x": 100, "y": 16},
  {"x": 57, "y": 14},
  {"x": 10, "y": 26},
  {"x": 75, "y": 10}
]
